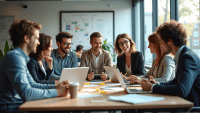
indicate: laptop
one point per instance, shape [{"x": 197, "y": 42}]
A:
[
  {"x": 78, "y": 74},
  {"x": 123, "y": 84},
  {"x": 111, "y": 74}
]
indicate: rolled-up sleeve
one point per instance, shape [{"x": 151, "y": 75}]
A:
[{"x": 23, "y": 82}]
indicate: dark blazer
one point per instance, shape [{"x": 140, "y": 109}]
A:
[
  {"x": 137, "y": 64},
  {"x": 37, "y": 72},
  {"x": 186, "y": 83}
]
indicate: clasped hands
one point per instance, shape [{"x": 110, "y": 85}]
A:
[
  {"x": 103, "y": 76},
  {"x": 145, "y": 84}
]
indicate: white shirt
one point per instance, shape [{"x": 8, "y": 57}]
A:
[
  {"x": 96, "y": 62},
  {"x": 128, "y": 70}
]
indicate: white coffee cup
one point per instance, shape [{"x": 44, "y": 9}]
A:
[{"x": 73, "y": 89}]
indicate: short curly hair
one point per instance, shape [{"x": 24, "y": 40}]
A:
[
  {"x": 20, "y": 28},
  {"x": 60, "y": 36},
  {"x": 174, "y": 31}
]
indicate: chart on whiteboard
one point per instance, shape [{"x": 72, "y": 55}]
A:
[{"x": 82, "y": 25}]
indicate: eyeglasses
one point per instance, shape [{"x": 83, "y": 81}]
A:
[
  {"x": 123, "y": 43},
  {"x": 68, "y": 44}
]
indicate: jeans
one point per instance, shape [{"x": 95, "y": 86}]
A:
[{"x": 10, "y": 108}]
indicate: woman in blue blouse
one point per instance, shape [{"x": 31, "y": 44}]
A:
[
  {"x": 129, "y": 61},
  {"x": 41, "y": 63}
]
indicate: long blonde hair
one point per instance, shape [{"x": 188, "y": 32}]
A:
[{"x": 117, "y": 48}]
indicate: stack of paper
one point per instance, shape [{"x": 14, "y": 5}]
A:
[{"x": 135, "y": 98}]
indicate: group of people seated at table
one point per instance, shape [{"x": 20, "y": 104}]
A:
[{"x": 32, "y": 69}]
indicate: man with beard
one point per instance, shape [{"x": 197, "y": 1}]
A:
[
  {"x": 16, "y": 83},
  {"x": 186, "y": 84},
  {"x": 63, "y": 57},
  {"x": 95, "y": 58}
]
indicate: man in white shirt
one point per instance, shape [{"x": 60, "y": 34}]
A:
[{"x": 95, "y": 58}]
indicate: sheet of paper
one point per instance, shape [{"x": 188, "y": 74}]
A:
[
  {"x": 89, "y": 90},
  {"x": 90, "y": 85},
  {"x": 112, "y": 88},
  {"x": 87, "y": 95},
  {"x": 135, "y": 98},
  {"x": 113, "y": 84}
]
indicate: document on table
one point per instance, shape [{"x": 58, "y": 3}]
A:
[
  {"x": 135, "y": 98},
  {"x": 90, "y": 85},
  {"x": 87, "y": 95},
  {"x": 112, "y": 88}
]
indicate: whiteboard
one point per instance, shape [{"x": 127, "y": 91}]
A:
[{"x": 81, "y": 24}]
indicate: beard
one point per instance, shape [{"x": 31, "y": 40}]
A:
[
  {"x": 169, "y": 49},
  {"x": 65, "y": 50},
  {"x": 97, "y": 49},
  {"x": 31, "y": 48}
]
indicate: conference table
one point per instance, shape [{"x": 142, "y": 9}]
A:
[{"x": 101, "y": 103}]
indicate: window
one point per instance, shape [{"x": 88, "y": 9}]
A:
[
  {"x": 137, "y": 28},
  {"x": 195, "y": 34},
  {"x": 196, "y": 42},
  {"x": 196, "y": 26},
  {"x": 148, "y": 30},
  {"x": 189, "y": 17},
  {"x": 163, "y": 11}
]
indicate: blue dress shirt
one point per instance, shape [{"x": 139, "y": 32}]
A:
[
  {"x": 16, "y": 83},
  {"x": 59, "y": 63}
]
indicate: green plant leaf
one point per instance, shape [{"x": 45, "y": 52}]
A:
[
  {"x": 11, "y": 47},
  {"x": 105, "y": 41},
  {"x": 6, "y": 48},
  {"x": 1, "y": 54}
]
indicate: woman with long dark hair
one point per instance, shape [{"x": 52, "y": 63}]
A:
[{"x": 41, "y": 63}]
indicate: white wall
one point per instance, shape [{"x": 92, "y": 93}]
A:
[{"x": 47, "y": 13}]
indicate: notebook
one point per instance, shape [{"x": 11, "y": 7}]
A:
[
  {"x": 78, "y": 74},
  {"x": 123, "y": 84}
]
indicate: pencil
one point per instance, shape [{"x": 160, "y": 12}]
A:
[{"x": 125, "y": 74}]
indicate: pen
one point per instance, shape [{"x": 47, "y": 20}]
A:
[{"x": 125, "y": 74}]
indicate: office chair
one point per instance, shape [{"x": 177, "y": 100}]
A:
[{"x": 193, "y": 108}]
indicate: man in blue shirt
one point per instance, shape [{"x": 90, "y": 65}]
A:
[
  {"x": 63, "y": 57},
  {"x": 16, "y": 83},
  {"x": 186, "y": 84}
]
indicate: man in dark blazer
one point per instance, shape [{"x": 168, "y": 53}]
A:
[{"x": 186, "y": 84}]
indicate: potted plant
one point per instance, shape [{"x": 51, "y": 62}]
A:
[
  {"x": 108, "y": 47},
  {"x": 6, "y": 49}
]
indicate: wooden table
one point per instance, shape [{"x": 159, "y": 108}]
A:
[{"x": 82, "y": 104}]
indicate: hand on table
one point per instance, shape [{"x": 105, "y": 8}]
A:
[
  {"x": 135, "y": 79},
  {"x": 152, "y": 80},
  {"x": 146, "y": 85},
  {"x": 103, "y": 76},
  {"x": 63, "y": 88},
  {"x": 90, "y": 76}
]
